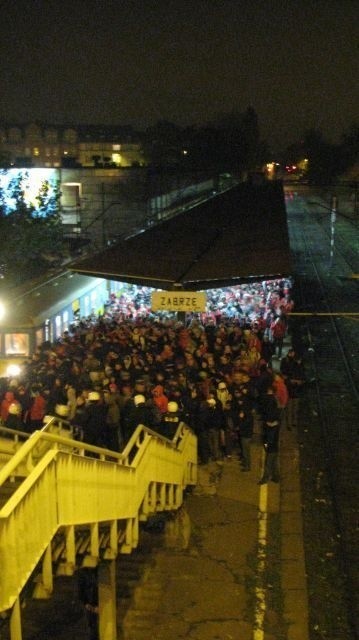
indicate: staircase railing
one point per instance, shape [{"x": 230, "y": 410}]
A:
[{"x": 71, "y": 484}]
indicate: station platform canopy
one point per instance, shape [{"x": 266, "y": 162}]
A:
[{"x": 235, "y": 237}]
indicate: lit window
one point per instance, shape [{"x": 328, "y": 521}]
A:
[
  {"x": 36, "y": 151},
  {"x": 65, "y": 320},
  {"x": 17, "y": 344}
]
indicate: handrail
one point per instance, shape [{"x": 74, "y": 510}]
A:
[
  {"x": 22, "y": 454},
  {"x": 14, "y": 432},
  {"x": 66, "y": 488}
]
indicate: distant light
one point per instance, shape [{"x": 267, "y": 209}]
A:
[
  {"x": 184, "y": 152},
  {"x": 13, "y": 370}
]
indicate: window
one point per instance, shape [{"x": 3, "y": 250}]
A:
[
  {"x": 71, "y": 193},
  {"x": 58, "y": 326},
  {"x": 65, "y": 320},
  {"x": 17, "y": 344}
]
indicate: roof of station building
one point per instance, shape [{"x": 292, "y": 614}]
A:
[{"x": 237, "y": 236}]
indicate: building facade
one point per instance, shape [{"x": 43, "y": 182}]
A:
[{"x": 37, "y": 145}]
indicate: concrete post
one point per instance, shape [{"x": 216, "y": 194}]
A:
[{"x": 107, "y": 600}]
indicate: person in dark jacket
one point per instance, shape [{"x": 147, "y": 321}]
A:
[
  {"x": 94, "y": 422},
  {"x": 170, "y": 420},
  {"x": 271, "y": 426},
  {"x": 13, "y": 420},
  {"x": 136, "y": 411},
  {"x": 292, "y": 370},
  {"x": 212, "y": 422},
  {"x": 245, "y": 427}
]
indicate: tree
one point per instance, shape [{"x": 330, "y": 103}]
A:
[{"x": 30, "y": 233}]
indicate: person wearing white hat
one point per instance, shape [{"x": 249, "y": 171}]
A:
[{"x": 94, "y": 424}]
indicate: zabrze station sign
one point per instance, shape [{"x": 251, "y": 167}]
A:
[{"x": 178, "y": 301}]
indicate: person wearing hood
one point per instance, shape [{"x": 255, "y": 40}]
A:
[
  {"x": 160, "y": 399},
  {"x": 37, "y": 409}
]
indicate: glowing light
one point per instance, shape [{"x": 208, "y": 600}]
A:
[
  {"x": 2, "y": 310},
  {"x": 116, "y": 157},
  {"x": 13, "y": 370}
]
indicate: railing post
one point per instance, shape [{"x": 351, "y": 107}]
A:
[
  {"x": 15, "y": 621},
  {"x": 153, "y": 495},
  {"x": 67, "y": 567},
  {"x": 145, "y": 509},
  {"x": 131, "y": 535},
  {"x": 178, "y": 496},
  {"x": 94, "y": 539},
  {"x": 45, "y": 585},
  {"x": 170, "y": 497},
  {"x": 112, "y": 548},
  {"x": 161, "y": 500}
]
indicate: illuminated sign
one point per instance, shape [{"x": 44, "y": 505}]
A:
[{"x": 178, "y": 301}]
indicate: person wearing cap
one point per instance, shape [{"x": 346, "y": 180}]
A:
[
  {"x": 170, "y": 420},
  {"x": 135, "y": 412},
  {"x": 94, "y": 421},
  {"x": 13, "y": 420},
  {"x": 212, "y": 420}
]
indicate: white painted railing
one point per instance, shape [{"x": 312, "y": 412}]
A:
[{"x": 71, "y": 485}]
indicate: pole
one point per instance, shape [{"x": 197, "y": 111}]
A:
[{"x": 333, "y": 217}]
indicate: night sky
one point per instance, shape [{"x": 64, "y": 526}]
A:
[{"x": 136, "y": 62}]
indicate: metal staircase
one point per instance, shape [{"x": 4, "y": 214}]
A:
[{"x": 63, "y": 502}]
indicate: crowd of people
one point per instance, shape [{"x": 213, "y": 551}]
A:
[{"x": 213, "y": 371}]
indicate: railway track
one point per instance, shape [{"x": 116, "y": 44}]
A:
[{"x": 329, "y": 458}]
